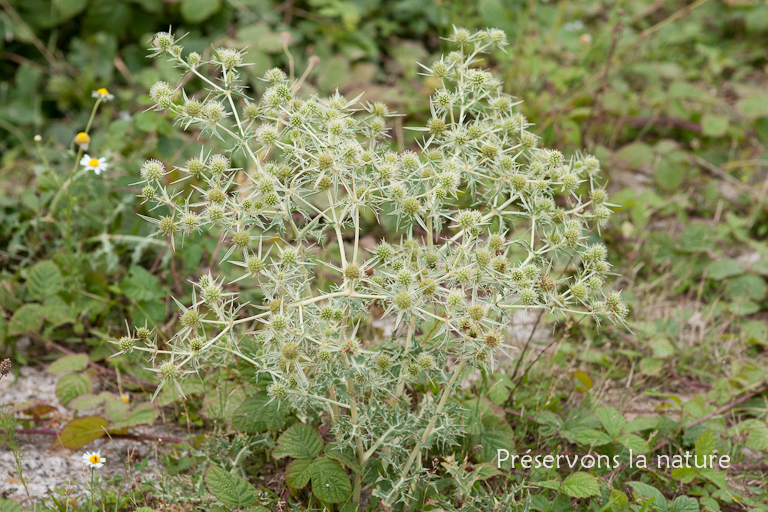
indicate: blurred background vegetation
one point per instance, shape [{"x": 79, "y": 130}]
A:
[{"x": 671, "y": 95}]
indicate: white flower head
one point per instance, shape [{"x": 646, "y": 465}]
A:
[
  {"x": 102, "y": 93},
  {"x": 94, "y": 164},
  {"x": 94, "y": 460}
]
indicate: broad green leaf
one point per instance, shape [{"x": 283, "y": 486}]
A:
[
  {"x": 716, "y": 476},
  {"x": 634, "y": 155},
  {"x": 142, "y": 286},
  {"x": 298, "y": 472},
  {"x": 726, "y": 267},
  {"x": 73, "y": 363},
  {"x": 116, "y": 410},
  {"x": 7, "y": 505},
  {"x": 713, "y": 125},
  {"x": 685, "y": 475},
  {"x": 753, "y": 106},
  {"x": 346, "y": 457},
  {"x": 697, "y": 237},
  {"x": 641, "y": 423},
  {"x": 705, "y": 444},
  {"x": 580, "y": 485},
  {"x": 300, "y": 442},
  {"x": 195, "y": 11},
  {"x": 81, "y": 431},
  {"x": 684, "y": 504},
  {"x": 635, "y": 443},
  {"x": 746, "y": 286},
  {"x": 44, "y": 280},
  {"x": 143, "y": 414},
  {"x": 260, "y": 413},
  {"x": 230, "y": 489},
  {"x": 71, "y": 386},
  {"x": 587, "y": 437},
  {"x": 84, "y": 402},
  {"x": 28, "y": 318},
  {"x": 612, "y": 420},
  {"x": 650, "y": 495},
  {"x": 330, "y": 483}
]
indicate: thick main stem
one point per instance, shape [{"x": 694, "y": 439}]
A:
[
  {"x": 428, "y": 431},
  {"x": 360, "y": 450}
]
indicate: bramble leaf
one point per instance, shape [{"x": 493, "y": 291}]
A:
[
  {"x": 300, "y": 442},
  {"x": 230, "y": 489}
]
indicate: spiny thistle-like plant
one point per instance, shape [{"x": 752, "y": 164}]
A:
[{"x": 524, "y": 238}]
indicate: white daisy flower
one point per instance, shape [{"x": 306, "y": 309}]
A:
[
  {"x": 94, "y": 164},
  {"x": 94, "y": 460},
  {"x": 103, "y": 93}
]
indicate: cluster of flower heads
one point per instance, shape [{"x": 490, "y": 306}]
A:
[{"x": 488, "y": 223}]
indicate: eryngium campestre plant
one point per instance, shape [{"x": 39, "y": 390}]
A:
[{"x": 489, "y": 224}]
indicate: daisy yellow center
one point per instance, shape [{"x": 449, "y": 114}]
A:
[
  {"x": 82, "y": 138},
  {"x": 95, "y": 459},
  {"x": 94, "y": 162},
  {"x": 125, "y": 399},
  {"x": 103, "y": 90}
]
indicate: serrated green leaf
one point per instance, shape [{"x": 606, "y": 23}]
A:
[
  {"x": 650, "y": 495},
  {"x": 142, "y": 286},
  {"x": 44, "y": 280},
  {"x": 580, "y": 485},
  {"x": 298, "y": 473},
  {"x": 587, "y": 436},
  {"x": 684, "y": 504},
  {"x": 7, "y": 505},
  {"x": 81, "y": 431},
  {"x": 612, "y": 420},
  {"x": 685, "y": 475},
  {"x": 143, "y": 414},
  {"x": 28, "y": 318},
  {"x": 230, "y": 489},
  {"x": 259, "y": 413},
  {"x": 635, "y": 443},
  {"x": 641, "y": 423},
  {"x": 86, "y": 402},
  {"x": 330, "y": 483},
  {"x": 300, "y": 442},
  {"x": 116, "y": 410},
  {"x": 346, "y": 457},
  {"x": 73, "y": 363},
  {"x": 713, "y": 125},
  {"x": 71, "y": 386},
  {"x": 724, "y": 268},
  {"x": 705, "y": 444}
]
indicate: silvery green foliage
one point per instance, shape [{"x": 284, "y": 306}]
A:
[{"x": 449, "y": 282}]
